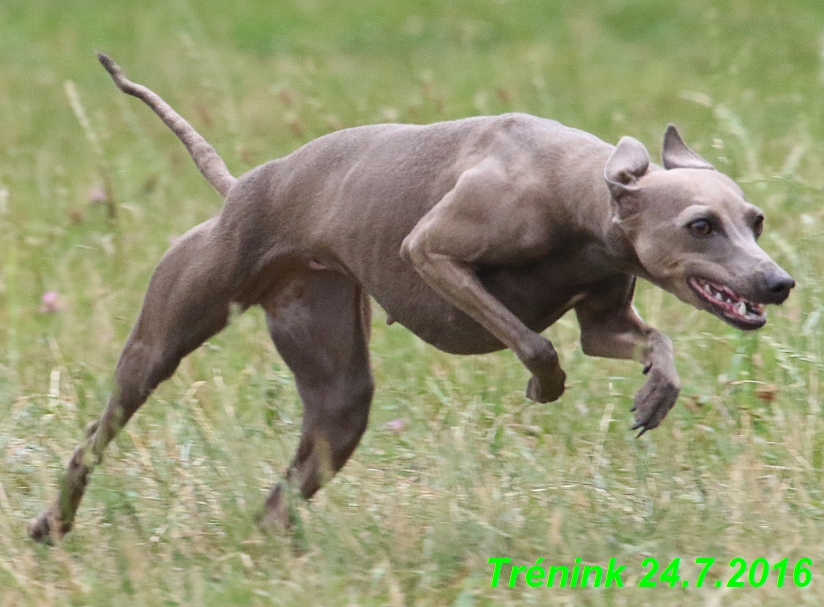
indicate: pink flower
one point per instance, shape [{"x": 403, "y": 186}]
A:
[
  {"x": 97, "y": 194},
  {"x": 50, "y": 302},
  {"x": 396, "y": 425}
]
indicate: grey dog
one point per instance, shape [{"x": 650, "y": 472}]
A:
[{"x": 475, "y": 234}]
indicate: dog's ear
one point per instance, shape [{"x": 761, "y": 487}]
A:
[
  {"x": 627, "y": 164},
  {"x": 676, "y": 154}
]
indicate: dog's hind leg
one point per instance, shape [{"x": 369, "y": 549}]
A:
[
  {"x": 188, "y": 301},
  {"x": 320, "y": 326}
]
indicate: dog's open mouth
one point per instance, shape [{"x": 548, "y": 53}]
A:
[{"x": 729, "y": 305}]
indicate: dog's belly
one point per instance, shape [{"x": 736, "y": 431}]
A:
[{"x": 535, "y": 300}]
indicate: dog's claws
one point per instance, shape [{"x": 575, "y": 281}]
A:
[
  {"x": 654, "y": 400},
  {"x": 644, "y": 428},
  {"x": 647, "y": 368}
]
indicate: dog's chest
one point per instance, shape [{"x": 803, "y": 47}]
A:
[{"x": 539, "y": 293}]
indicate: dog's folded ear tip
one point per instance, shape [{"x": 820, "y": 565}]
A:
[
  {"x": 628, "y": 162},
  {"x": 629, "y": 141}
]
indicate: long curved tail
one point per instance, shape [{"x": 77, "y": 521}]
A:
[{"x": 204, "y": 155}]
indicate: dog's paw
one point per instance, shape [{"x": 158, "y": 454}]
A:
[
  {"x": 47, "y": 527},
  {"x": 280, "y": 517},
  {"x": 40, "y": 530},
  {"x": 546, "y": 389},
  {"x": 654, "y": 400}
]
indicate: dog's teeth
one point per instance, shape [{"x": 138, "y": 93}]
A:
[
  {"x": 719, "y": 297},
  {"x": 741, "y": 308}
]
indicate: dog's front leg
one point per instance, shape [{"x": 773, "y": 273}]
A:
[
  {"x": 457, "y": 282},
  {"x": 478, "y": 223},
  {"x": 618, "y": 332}
]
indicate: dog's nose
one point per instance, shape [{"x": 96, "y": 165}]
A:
[{"x": 779, "y": 285}]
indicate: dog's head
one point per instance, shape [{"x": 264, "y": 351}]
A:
[{"x": 693, "y": 233}]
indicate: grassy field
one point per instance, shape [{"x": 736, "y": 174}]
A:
[{"x": 476, "y": 470}]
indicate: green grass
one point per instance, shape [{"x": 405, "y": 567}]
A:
[{"x": 478, "y": 471}]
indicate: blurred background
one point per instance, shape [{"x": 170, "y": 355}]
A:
[{"x": 457, "y": 466}]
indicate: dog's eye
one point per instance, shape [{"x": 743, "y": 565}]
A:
[
  {"x": 758, "y": 226},
  {"x": 701, "y": 227}
]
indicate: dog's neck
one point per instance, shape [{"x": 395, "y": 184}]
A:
[{"x": 620, "y": 248}]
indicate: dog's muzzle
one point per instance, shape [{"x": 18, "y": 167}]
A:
[{"x": 746, "y": 313}]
